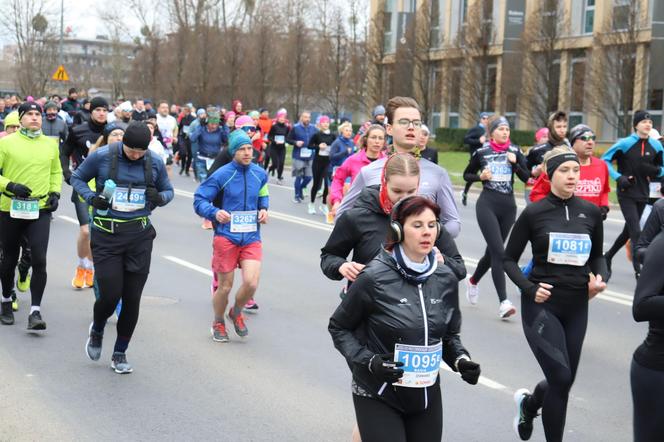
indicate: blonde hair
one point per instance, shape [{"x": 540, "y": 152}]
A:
[
  {"x": 402, "y": 164},
  {"x": 345, "y": 125}
]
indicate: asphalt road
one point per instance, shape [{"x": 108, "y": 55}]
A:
[{"x": 285, "y": 382}]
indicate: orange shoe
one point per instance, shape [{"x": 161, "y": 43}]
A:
[
  {"x": 79, "y": 279},
  {"x": 207, "y": 224},
  {"x": 89, "y": 278}
]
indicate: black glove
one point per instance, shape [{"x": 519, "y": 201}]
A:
[
  {"x": 605, "y": 211},
  {"x": 100, "y": 203},
  {"x": 470, "y": 371},
  {"x": 19, "y": 190},
  {"x": 383, "y": 367},
  {"x": 648, "y": 169},
  {"x": 624, "y": 182},
  {"x": 52, "y": 201},
  {"x": 152, "y": 196}
]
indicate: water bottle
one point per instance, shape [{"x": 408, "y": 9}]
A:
[{"x": 109, "y": 190}]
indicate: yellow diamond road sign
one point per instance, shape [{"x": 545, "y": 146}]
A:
[{"x": 61, "y": 74}]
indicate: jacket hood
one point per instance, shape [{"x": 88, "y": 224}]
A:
[{"x": 369, "y": 200}]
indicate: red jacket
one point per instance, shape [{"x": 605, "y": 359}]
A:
[{"x": 593, "y": 184}]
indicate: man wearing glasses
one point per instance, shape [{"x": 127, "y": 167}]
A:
[
  {"x": 593, "y": 184},
  {"x": 404, "y": 125}
]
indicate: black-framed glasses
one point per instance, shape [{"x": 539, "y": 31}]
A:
[{"x": 405, "y": 122}]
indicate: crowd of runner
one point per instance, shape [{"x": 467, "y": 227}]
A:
[{"x": 391, "y": 205}]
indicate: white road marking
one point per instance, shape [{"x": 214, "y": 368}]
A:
[
  {"x": 608, "y": 295},
  {"x": 189, "y": 265},
  {"x": 483, "y": 380},
  {"x": 68, "y": 219}
]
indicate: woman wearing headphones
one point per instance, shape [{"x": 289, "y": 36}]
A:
[
  {"x": 408, "y": 308},
  {"x": 363, "y": 229}
]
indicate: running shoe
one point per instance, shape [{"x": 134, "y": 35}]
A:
[
  {"x": 218, "y": 331},
  {"x": 23, "y": 283},
  {"x": 79, "y": 279},
  {"x": 15, "y": 303},
  {"x": 6, "y": 313},
  {"x": 311, "y": 209},
  {"x": 297, "y": 200},
  {"x": 506, "y": 309},
  {"x": 319, "y": 194},
  {"x": 280, "y": 181},
  {"x": 119, "y": 363},
  {"x": 251, "y": 307},
  {"x": 89, "y": 278},
  {"x": 207, "y": 224},
  {"x": 523, "y": 421},
  {"x": 464, "y": 198},
  {"x": 238, "y": 324},
  {"x": 93, "y": 344},
  {"x": 35, "y": 321},
  {"x": 305, "y": 192},
  {"x": 472, "y": 292},
  {"x": 324, "y": 209}
]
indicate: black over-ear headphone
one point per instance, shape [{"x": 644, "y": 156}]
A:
[{"x": 395, "y": 226}]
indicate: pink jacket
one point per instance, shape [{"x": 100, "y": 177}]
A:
[{"x": 350, "y": 168}]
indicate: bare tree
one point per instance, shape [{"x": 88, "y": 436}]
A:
[
  {"x": 36, "y": 49},
  {"x": 334, "y": 64},
  {"x": 541, "y": 61},
  {"x": 614, "y": 61},
  {"x": 424, "y": 43},
  {"x": 375, "y": 73},
  {"x": 298, "y": 45},
  {"x": 476, "y": 40}
]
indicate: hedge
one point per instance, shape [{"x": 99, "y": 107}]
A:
[{"x": 452, "y": 139}]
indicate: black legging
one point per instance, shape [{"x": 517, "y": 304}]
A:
[
  {"x": 496, "y": 213},
  {"x": 379, "y": 422},
  {"x": 632, "y": 211},
  {"x": 647, "y": 394},
  {"x": 122, "y": 263},
  {"x": 320, "y": 170},
  {"x": 185, "y": 155},
  {"x": 555, "y": 333},
  {"x": 278, "y": 153},
  {"x": 266, "y": 158},
  {"x": 25, "y": 262},
  {"x": 37, "y": 234}
]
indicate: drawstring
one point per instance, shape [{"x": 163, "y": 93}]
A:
[{"x": 566, "y": 212}]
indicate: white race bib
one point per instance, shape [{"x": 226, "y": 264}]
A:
[
  {"x": 569, "y": 248},
  {"x": 655, "y": 190},
  {"x": 279, "y": 139},
  {"x": 500, "y": 172},
  {"x": 125, "y": 202},
  {"x": 305, "y": 152},
  {"x": 24, "y": 208},
  {"x": 420, "y": 364},
  {"x": 244, "y": 221}
]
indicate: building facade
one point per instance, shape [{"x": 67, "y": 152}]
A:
[{"x": 521, "y": 58}]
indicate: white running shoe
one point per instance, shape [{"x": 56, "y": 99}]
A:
[
  {"x": 323, "y": 209},
  {"x": 312, "y": 209},
  {"x": 472, "y": 292},
  {"x": 506, "y": 309}
]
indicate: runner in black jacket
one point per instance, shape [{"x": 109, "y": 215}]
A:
[
  {"x": 474, "y": 139},
  {"x": 403, "y": 298},
  {"x": 277, "y": 138},
  {"x": 647, "y": 371},
  {"x": 566, "y": 235},
  {"x": 495, "y": 165}
]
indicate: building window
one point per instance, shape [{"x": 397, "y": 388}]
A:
[
  {"x": 436, "y": 35},
  {"x": 436, "y": 88},
  {"x": 454, "y": 98},
  {"x": 621, "y": 14},
  {"x": 550, "y": 17},
  {"x": 490, "y": 98},
  {"x": 388, "y": 29},
  {"x": 588, "y": 16},
  {"x": 575, "y": 118}
]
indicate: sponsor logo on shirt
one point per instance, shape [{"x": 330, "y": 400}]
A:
[{"x": 589, "y": 187}]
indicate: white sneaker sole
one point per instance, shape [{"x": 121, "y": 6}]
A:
[
  {"x": 507, "y": 314},
  {"x": 121, "y": 371},
  {"x": 218, "y": 340},
  {"x": 518, "y": 397}
]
